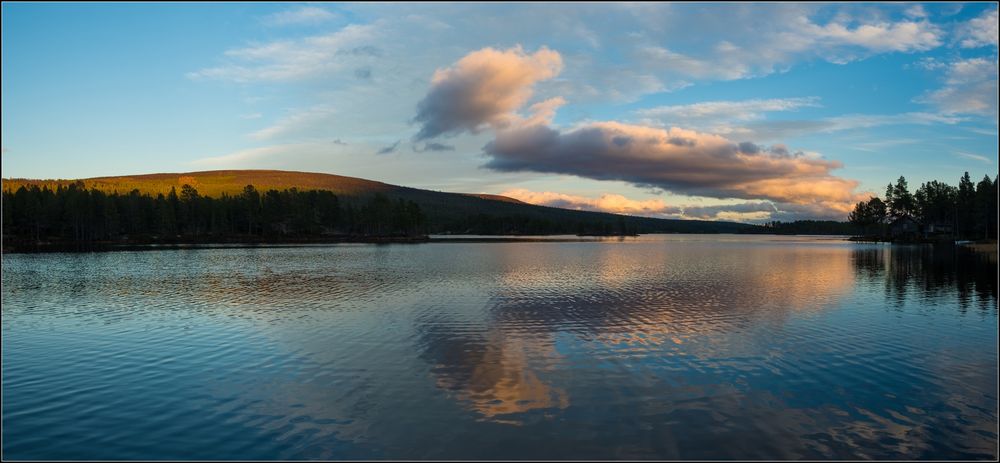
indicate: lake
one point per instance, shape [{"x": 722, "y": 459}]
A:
[{"x": 660, "y": 346}]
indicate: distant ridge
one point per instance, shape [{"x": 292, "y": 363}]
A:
[
  {"x": 446, "y": 212},
  {"x": 497, "y": 198}
]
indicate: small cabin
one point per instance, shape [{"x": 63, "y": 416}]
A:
[
  {"x": 904, "y": 227},
  {"x": 938, "y": 230}
]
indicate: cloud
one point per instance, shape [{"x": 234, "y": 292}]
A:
[
  {"x": 253, "y": 154},
  {"x": 289, "y": 60},
  {"x": 970, "y": 88},
  {"x": 299, "y": 16},
  {"x": 486, "y": 88},
  {"x": 863, "y": 121},
  {"x": 543, "y": 111},
  {"x": 791, "y": 37},
  {"x": 727, "y": 110},
  {"x": 591, "y": 81},
  {"x": 389, "y": 149},
  {"x": 363, "y": 73},
  {"x": 315, "y": 117},
  {"x": 903, "y": 36},
  {"x": 665, "y": 48},
  {"x": 781, "y": 129},
  {"x": 689, "y": 66},
  {"x": 915, "y": 12},
  {"x": 482, "y": 89},
  {"x": 365, "y": 50},
  {"x": 751, "y": 211},
  {"x": 979, "y": 32},
  {"x": 882, "y": 144},
  {"x": 628, "y": 85},
  {"x": 677, "y": 160},
  {"x": 613, "y": 203},
  {"x": 975, "y": 157},
  {"x": 929, "y": 63},
  {"x": 433, "y": 146}
]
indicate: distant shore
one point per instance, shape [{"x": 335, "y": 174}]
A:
[
  {"x": 986, "y": 248},
  {"x": 890, "y": 240},
  {"x": 180, "y": 243},
  {"x": 242, "y": 242}
]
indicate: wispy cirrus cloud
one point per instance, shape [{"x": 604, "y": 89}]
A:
[
  {"x": 915, "y": 12},
  {"x": 883, "y": 144},
  {"x": 433, "y": 146},
  {"x": 974, "y": 157},
  {"x": 389, "y": 149},
  {"x": 880, "y": 36},
  {"x": 745, "y": 50},
  {"x": 970, "y": 87},
  {"x": 297, "y": 122},
  {"x": 747, "y": 119},
  {"x": 692, "y": 67},
  {"x": 789, "y": 128},
  {"x": 979, "y": 32},
  {"x": 241, "y": 157},
  {"x": 289, "y": 60},
  {"x": 303, "y": 15},
  {"x": 744, "y": 110}
]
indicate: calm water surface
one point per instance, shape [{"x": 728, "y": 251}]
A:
[{"x": 652, "y": 347}]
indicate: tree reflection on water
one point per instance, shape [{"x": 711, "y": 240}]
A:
[{"x": 930, "y": 271}]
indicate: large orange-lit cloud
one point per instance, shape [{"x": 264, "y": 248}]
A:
[
  {"x": 676, "y": 160},
  {"x": 486, "y": 88},
  {"x": 483, "y": 89},
  {"x": 747, "y": 211},
  {"x": 614, "y": 203}
]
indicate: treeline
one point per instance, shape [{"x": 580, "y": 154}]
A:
[
  {"x": 809, "y": 227},
  {"x": 520, "y": 224},
  {"x": 969, "y": 210},
  {"x": 77, "y": 214}
]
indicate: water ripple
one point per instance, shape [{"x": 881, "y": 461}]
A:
[{"x": 662, "y": 347}]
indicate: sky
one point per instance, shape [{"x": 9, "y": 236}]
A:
[{"x": 721, "y": 111}]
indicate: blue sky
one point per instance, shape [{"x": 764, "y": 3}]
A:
[{"x": 699, "y": 110}]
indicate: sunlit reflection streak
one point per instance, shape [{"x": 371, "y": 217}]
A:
[
  {"x": 366, "y": 346},
  {"x": 496, "y": 375},
  {"x": 673, "y": 296},
  {"x": 544, "y": 293}
]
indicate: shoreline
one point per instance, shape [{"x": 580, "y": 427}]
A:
[
  {"x": 200, "y": 243},
  {"x": 22, "y": 247},
  {"x": 238, "y": 243}
]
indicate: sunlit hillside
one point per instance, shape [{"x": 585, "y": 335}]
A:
[
  {"x": 217, "y": 182},
  {"x": 446, "y": 212}
]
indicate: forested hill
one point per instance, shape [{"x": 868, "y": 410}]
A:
[{"x": 444, "y": 212}]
